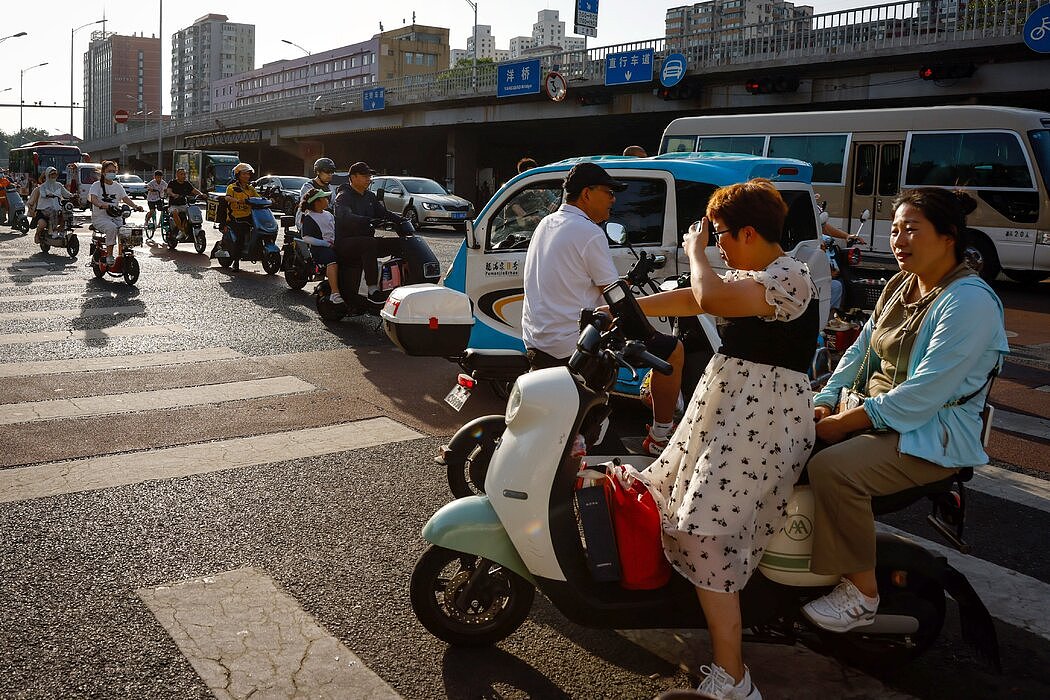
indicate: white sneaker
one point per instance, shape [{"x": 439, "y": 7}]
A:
[
  {"x": 842, "y": 609},
  {"x": 336, "y": 298},
  {"x": 719, "y": 684}
]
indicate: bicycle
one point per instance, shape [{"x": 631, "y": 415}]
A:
[
  {"x": 1039, "y": 33},
  {"x": 164, "y": 223}
]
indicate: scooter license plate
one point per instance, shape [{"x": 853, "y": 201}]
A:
[{"x": 457, "y": 398}]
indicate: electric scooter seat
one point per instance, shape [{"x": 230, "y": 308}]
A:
[
  {"x": 505, "y": 365},
  {"x": 880, "y": 505}
]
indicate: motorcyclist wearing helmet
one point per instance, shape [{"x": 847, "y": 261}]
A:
[
  {"x": 46, "y": 201},
  {"x": 238, "y": 211},
  {"x": 177, "y": 192},
  {"x": 104, "y": 196},
  {"x": 324, "y": 168},
  {"x": 355, "y": 207}
]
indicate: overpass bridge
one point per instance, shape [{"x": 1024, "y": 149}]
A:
[{"x": 450, "y": 125}]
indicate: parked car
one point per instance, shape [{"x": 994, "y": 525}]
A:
[
  {"x": 282, "y": 190},
  {"x": 133, "y": 185},
  {"x": 423, "y": 201}
]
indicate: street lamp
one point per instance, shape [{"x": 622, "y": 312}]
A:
[
  {"x": 11, "y": 36},
  {"x": 292, "y": 43},
  {"x": 71, "y": 33},
  {"x": 20, "y": 80},
  {"x": 475, "y": 71}
]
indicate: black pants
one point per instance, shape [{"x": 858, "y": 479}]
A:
[
  {"x": 364, "y": 252},
  {"x": 242, "y": 228}
]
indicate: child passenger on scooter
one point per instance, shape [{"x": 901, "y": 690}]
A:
[
  {"x": 724, "y": 479},
  {"x": 318, "y": 227}
]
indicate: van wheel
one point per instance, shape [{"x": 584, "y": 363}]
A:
[
  {"x": 467, "y": 600},
  {"x": 981, "y": 256}
]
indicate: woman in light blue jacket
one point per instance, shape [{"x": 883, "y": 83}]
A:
[{"x": 924, "y": 363}]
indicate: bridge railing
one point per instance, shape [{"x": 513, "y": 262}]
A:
[{"x": 916, "y": 25}]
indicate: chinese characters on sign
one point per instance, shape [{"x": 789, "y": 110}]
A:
[
  {"x": 629, "y": 67},
  {"x": 519, "y": 78},
  {"x": 586, "y": 18},
  {"x": 374, "y": 99}
]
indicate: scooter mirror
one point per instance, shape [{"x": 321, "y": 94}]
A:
[
  {"x": 865, "y": 215},
  {"x": 472, "y": 240},
  {"x": 617, "y": 233}
]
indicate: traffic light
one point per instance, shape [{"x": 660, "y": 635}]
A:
[
  {"x": 585, "y": 99},
  {"x": 682, "y": 91},
  {"x": 947, "y": 71},
  {"x": 766, "y": 85}
]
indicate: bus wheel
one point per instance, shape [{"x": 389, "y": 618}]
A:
[{"x": 981, "y": 256}]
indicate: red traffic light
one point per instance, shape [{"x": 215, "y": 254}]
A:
[
  {"x": 767, "y": 85},
  {"x": 947, "y": 71}
]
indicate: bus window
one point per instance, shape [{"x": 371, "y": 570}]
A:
[
  {"x": 890, "y": 170},
  {"x": 680, "y": 144},
  {"x": 1041, "y": 147},
  {"x": 978, "y": 159},
  {"x": 640, "y": 208},
  {"x": 864, "y": 170},
  {"x": 825, "y": 152},
  {"x": 751, "y": 145},
  {"x": 691, "y": 199}
]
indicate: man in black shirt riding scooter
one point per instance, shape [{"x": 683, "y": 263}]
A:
[{"x": 355, "y": 208}]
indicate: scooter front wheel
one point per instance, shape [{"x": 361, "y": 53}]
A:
[
  {"x": 199, "y": 242},
  {"x": 131, "y": 270},
  {"x": 271, "y": 262},
  {"x": 467, "y": 600},
  {"x": 72, "y": 247}
]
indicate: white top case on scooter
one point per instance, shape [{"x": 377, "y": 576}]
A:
[{"x": 526, "y": 461}]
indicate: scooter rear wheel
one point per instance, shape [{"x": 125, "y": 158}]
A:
[
  {"x": 494, "y": 607},
  {"x": 73, "y": 247},
  {"x": 922, "y": 599},
  {"x": 131, "y": 270},
  {"x": 294, "y": 278}
]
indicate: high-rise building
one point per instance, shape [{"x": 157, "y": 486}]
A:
[
  {"x": 486, "y": 43},
  {"x": 408, "y": 51},
  {"x": 210, "y": 49},
  {"x": 520, "y": 44},
  {"x": 727, "y": 16},
  {"x": 548, "y": 36},
  {"x": 120, "y": 72}
]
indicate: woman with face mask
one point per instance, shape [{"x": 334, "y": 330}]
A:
[
  {"x": 106, "y": 193},
  {"x": 46, "y": 201}
]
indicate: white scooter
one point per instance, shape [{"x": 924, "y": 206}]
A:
[
  {"x": 58, "y": 232},
  {"x": 475, "y": 585}
]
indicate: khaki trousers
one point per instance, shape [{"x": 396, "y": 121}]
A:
[{"x": 844, "y": 477}]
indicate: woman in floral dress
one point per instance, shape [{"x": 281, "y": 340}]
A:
[{"x": 724, "y": 480}]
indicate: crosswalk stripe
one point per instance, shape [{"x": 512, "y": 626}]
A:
[
  {"x": 74, "y": 312},
  {"x": 1016, "y": 599},
  {"x": 112, "y": 362},
  {"x": 58, "y": 296},
  {"x": 1011, "y": 486},
  {"x": 37, "y": 283},
  {"x": 32, "y": 272},
  {"x": 73, "y": 476},
  {"x": 1020, "y": 423},
  {"x": 89, "y": 334},
  {"x": 35, "y": 263},
  {"x": 133, "y": 402},
  {"x": 244, "y": 635}
]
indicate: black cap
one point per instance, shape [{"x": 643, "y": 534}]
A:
[
  {"x": 361, "y": 168},
  {"x": 589, "y": 174}
]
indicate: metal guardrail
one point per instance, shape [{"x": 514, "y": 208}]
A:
[{"x": 831, "y": 36}]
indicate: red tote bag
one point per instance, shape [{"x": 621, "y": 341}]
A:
[{"x": 636, "y": 521}]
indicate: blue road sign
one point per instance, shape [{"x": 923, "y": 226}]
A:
[
  {"x": 1037, "y": 30},
  {"x": 672, "y": 70},
  {"x": 586, "y": 18},
  {"x": 629, "y": 67},
  {"x": 374, "y": 99},
  {"x": 518, "y": 78}
]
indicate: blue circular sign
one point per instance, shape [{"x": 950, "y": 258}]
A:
[
  {"x": 1037, "y": 30},
  {"x": 673, "y": 70}
]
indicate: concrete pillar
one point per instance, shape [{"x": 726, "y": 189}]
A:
[
  {"x": 307, "y": 150},
  {"x": 461, "y": 160}
]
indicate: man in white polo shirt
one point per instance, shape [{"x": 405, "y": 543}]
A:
[{"x": 567, "y": 266}]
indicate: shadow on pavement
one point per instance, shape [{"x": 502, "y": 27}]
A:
[{"x": 486, "y": 673}]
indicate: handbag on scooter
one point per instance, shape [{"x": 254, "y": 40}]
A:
[
  {"x": 599, "y": 537},
  {"x": 637, "y": 522}
]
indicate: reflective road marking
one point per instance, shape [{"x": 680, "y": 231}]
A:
[
  {"x": 89, "y": 334},
  {"x": 96, "y": 364}
]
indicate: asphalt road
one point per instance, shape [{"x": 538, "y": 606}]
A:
[{"x": 339, "y": 530}]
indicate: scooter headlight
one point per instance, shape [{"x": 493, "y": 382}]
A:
[{"x": 513, "y": 403}]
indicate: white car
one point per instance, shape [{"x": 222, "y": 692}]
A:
[
  {"x": 423, "y": 201},
  {"x": 133, "y": 185}
]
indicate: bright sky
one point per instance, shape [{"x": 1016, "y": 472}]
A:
[{"x": 333, "y": 24}]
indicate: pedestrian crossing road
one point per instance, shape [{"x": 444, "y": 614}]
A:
[{"x": 206, "y": 492}]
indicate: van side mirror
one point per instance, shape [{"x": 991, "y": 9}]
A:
[
  {"x": 472, "y": 240},
  {"x": 379, "y": 194},
  {"x": 865, "y": 215},
  {"x": 617, "y": 233}
]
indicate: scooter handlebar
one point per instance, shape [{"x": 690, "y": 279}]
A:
[{"x": 637, "y": 354}]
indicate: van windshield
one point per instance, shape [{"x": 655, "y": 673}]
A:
[{"x": 1041, "y": 147}]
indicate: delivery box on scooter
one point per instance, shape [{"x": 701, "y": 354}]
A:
[{"x": 428, "y": 320}]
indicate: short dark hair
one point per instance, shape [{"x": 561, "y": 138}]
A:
[
  {"x": 945, "y": 209},
  {"x": 755, "y": 203},
  {"x": 526, "y": 164}
]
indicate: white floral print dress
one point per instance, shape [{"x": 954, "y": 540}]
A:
[{"x": 723, "y": 482}]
